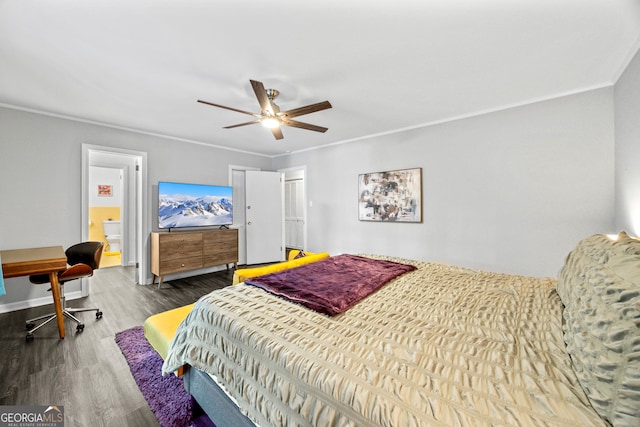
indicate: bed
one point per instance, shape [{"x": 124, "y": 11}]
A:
[{"x": 440, "y": 345}]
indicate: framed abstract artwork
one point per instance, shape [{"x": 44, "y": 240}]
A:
[
  {"x": 105, "y": 190},
  {"x": 392, "y": 196}
]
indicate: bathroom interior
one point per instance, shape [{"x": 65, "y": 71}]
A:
[{"x": 105, "y": 209}]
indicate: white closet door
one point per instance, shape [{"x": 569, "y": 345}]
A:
[
  {"x": 294, "y": 214},
  {"x": 264, "y": 217}
]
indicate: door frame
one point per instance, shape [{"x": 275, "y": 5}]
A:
[{"x": 141, "y": 209}]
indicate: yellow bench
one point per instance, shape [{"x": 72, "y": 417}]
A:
[{"x": 160, "y": 328}]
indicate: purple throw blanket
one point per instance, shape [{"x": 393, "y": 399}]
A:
[{"x": 332, "y": 285}]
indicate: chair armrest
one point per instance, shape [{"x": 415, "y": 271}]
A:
[{"x": 75, "y": 272}]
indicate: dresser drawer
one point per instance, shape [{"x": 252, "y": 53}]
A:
[
  {"x": 179, "y": 264},
  {"x": 221, "y": 257},
  {"x": 176, "y": 246},
  {"x": 221, "y": 237},
  {"x": 210, "y": 248}
]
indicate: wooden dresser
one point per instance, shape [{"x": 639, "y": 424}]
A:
[{"x": 190, "y": 250}]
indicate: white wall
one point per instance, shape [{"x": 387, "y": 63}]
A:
[
  {"x": 40, "y": 182},
  {"x": 627, "y": 126},
  {"x": 511, "y": 191},
  {"x": 105, "y": 176}
]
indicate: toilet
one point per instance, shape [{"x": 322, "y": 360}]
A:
[{"x": 112, "y": 234}]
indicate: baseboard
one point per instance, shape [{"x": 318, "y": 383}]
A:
[{"x": 36, "y": 302}]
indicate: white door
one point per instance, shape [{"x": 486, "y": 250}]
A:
[
  {"x": 294, "y": 213},
  {"x": 264, "y": 217}
]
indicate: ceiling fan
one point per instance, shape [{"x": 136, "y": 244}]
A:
[{"x": 271, "y": 116}]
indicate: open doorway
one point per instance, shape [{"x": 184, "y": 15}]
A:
[
  {"x": 107, "y": 211},
  {"x": 130, "y": 167}
]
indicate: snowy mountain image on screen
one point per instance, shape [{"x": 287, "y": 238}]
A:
[{"x": 177, "y": 210}]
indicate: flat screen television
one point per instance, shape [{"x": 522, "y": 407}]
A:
[{"x": 194, "y": 205}]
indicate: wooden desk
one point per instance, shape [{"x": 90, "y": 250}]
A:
[{"x": 48, "y": 260}]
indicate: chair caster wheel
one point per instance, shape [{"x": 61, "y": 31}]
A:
[
  {"x": 80, "y": 327},
  {"x": 30, "y": 325},
  {"x": 29, "y": 337},
  {"x": 98, "y": 315}
]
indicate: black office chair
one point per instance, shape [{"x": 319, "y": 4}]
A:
[{"x": 82, "y": 258}]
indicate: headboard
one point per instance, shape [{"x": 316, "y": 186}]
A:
[{"x": 600, "y": 288}]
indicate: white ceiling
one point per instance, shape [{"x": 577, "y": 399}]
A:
[{"x": 385, "y": 65}]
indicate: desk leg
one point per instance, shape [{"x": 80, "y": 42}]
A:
[{"x": 57, "y": 302}]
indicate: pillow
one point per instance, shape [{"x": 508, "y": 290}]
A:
[
  {"x": 627, "y": 267},
  {"x": 600, "y": 288}
]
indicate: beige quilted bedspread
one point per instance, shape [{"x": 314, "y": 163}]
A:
[{"x": 440, "y": 346}]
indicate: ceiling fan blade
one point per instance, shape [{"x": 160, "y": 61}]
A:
[
  {"x": 277, "y": 133},
  {"x": 306, "y": 109},
  {"x": 301, "y": 125},
  {"x": 242, "y": 124},
  {"x": 263, "y": 99},
  {"x": 229, "y": 108}
]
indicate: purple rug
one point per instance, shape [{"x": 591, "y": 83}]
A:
[{"x": 168, "y": 399}]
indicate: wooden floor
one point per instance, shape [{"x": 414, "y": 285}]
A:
[{"x": 86, "y": 372}]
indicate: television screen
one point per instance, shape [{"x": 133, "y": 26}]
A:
[{"x": 194, "y": 205}]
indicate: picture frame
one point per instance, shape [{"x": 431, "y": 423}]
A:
[
  {"x": 390, "y": 196},
  {"x": 105, "y": 190}
]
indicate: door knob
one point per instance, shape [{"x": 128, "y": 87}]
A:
[{"x": 249, "y": 223}]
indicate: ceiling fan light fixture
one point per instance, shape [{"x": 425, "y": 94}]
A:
[
  {"x": 270, "y": 115},
  {"x": 270, "y": 122}
]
